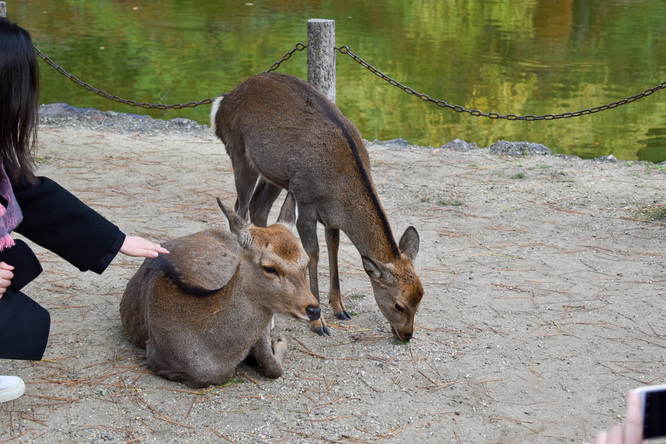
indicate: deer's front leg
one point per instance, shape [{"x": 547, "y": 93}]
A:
[
  {"x": 270, "y": 357},
  {"x": 307, "y": 230},
  {"x": 334, "y": 294}
]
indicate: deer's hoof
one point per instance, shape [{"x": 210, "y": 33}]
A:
[
  {"x": 323, "y": 331},
  {"x": 343, "y": 315},
  {"x": 319, "y": 326}
]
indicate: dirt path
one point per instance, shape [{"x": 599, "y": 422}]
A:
[{"x": 543, "y": 306}]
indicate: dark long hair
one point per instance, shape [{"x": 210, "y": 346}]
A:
[{"x": 19, "y": 101}]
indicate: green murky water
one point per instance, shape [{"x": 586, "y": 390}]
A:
[{"x": 510, "y": 57}]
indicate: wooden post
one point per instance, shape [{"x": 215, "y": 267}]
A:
[
  {"x": 3, "y": 9},
  {"x": 321, "y": 56}
]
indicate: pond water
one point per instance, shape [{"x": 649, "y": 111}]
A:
[{"x": 523, "y": 57}]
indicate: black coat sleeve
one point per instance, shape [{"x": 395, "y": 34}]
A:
[{"x": 58, "y": 221}]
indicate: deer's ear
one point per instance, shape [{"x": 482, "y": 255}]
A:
[
  {"x": 234, "y": 223},
  {"x": 383, "y": 274},
  {"x": 372, "y": 268},
  {"x": 289, "y": 211},
  {"x": 409, "y": 243}
]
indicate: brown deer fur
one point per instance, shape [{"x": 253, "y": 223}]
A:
[
  {"x": 281, "y": 133},
  {"x": 205, "y": 307}
]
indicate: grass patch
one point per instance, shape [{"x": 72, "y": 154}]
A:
[
  {"x": 357, "y": 296},
  {"x": 452, "y": 203},
  {"x": 652, "y": 214},
  {"x": 518, "y": 176},
  {"x": 224, "y": 384},
  {"x": 424, "y": 197},
  {"x": 397, "y": 341}
]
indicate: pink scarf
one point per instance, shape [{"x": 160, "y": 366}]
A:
[{"x": 11, "y": 215}]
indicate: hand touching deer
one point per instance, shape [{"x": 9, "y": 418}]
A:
[
  {"x": 209, "y": 304},
  {"x": 281, "y": 133}
]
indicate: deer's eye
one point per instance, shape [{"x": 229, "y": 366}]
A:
[
  {"x": 270, "y": 270},
  {"x": 399, "y": 307}
]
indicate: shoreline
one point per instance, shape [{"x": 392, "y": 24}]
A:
[{"x": 57, "y": 115}]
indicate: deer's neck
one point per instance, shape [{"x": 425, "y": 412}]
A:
[
  {"x": 243, "y": 314},
  {"x": 370, "y": 231},
  {"x": 372, "y": 236},
  {"x": 248, "y": 302}
]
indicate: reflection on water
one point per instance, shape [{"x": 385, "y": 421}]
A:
[
  {"x": 653, "y": 145},
  {"x": 506, "y": 56}
]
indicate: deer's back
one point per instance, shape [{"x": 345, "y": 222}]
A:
[
  {"x": 198, "y": 265},
  {"x": 290, "y": 131}
]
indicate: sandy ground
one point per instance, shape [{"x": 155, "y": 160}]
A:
[{"x": 543, "y": 306}]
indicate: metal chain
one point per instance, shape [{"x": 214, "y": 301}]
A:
[
  {"x": 345, "y": 50},
  {"x": 286, "y": 56},
  {"x": 116, "y": 98},
  {"x": 274, "y": 66},
  {"x": 477, "y": 113}
]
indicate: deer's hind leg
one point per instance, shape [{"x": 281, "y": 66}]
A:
[
  {"x": 334, "y": 294},
  {"x": 270, "y": 356},
  {"x": 172, "y": 368},
  {"x": 262, "y": 200},
  {"x": 245, "y": 177}
]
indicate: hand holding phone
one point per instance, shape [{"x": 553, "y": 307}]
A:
[
  {"x": 653, "y": 410},
  {"x": 632, "y": 431}
]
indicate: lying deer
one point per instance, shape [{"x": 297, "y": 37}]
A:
[
  {"x": 281, "y": 133},
  {"x": 204, "y": 308}
]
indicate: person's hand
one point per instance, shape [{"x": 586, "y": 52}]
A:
[
  {"x": 140, "y": 247},
  {"x": 6, "y": 277},
  {"x": 632, "y": 431}
]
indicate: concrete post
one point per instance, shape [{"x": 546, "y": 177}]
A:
[
  {"x": 321, "y": 56},
  {"x": 3, "y": 9}
]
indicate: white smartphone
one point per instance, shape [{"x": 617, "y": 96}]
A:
[{"x": 653, "y": 408}]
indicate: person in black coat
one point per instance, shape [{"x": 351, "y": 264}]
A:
[{"x": 40, "y": 210}]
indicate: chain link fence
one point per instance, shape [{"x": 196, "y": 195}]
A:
[{"x": 346, "y": 51}]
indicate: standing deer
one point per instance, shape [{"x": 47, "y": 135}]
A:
[
  {"x": 204, "y": 308},
  {"x": 281, "y": 133}
]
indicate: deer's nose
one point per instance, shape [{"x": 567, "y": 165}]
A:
[
  {"x": 313, "y": 312},
  {"x": 408, "y": 336}
]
